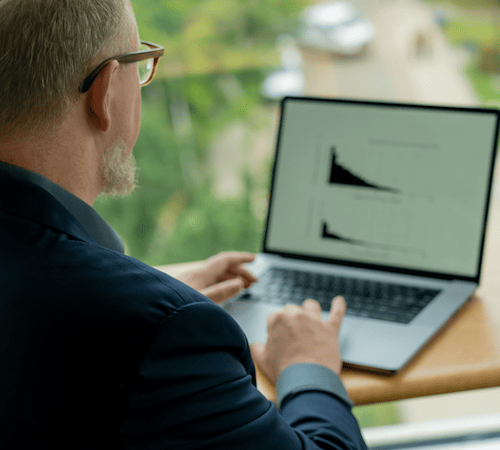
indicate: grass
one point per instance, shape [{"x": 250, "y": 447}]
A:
[
  {"x": 485, "y": 86},
  {"x": 476, "y": 33},
  {"x": 479, "y": 4},
  {"x": 465, "y": 30},
  {"x": 377, "y": 415},
  {"x": 476, "y": 26}
]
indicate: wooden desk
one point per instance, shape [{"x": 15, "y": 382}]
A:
[{"x": 465, "y": 356}]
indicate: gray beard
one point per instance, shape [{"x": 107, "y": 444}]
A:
[{"x": 118, "y": 173}]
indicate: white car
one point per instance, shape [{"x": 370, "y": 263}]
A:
[
  {"x": 290, "y": 81},
  {"x": 284, "y": 83},
  {"x": 335, "y": 26}
]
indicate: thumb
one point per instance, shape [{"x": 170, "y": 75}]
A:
[
  {"x": 258, "y": 355},
  {"x": 258, "y": 350}
]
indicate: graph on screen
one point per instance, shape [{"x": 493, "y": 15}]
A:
[
  {"x": 326, "y": 233},
  {"x": 384, "y": 166},
  {"x": 340, "y": 175},
  {"x": 391, "y": 186},
  {"x": 376, "y": 197}
]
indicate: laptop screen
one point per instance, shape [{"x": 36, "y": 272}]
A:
[{"x": 382, "y": 185}]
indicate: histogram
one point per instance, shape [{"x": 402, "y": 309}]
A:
[{"x": 341, "y": 175}]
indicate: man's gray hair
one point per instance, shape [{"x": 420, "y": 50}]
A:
[{"x": 47, "y": 48}]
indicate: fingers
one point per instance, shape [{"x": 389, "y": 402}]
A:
[
  {"x": 258, "y": 353},
  {"x": 227, "y": 265},
  {"x": 260, "y": 359},
  {"x": 224, "y": 290},
  {"x": 337, "y": 311},
  {"x": 312, "y": 306},
  {"x": 298, "y": 334},
  {"x": 240, "y": 271},
  {"x": 222, "y": 277},
  {"x": 225, "y": 260}
]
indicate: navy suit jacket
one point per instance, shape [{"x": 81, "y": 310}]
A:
[{"x": 98, "y": 350}]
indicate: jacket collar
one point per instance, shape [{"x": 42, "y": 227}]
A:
[{"x": 36, "y": 198}]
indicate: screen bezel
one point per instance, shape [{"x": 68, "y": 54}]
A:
[{"x": 385, "y": 268}]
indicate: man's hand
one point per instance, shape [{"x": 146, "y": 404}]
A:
[
  {"x": 222, "y": 277},
  {"x": 298, "y": 334}
]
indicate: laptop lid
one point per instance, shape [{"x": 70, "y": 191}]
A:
[{"x": 395, "y": 187}]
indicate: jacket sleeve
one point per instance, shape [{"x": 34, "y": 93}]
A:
[{"x": 195, "y": 389}]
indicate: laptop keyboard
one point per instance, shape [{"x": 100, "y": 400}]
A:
[{"x": 364, "y": 298}]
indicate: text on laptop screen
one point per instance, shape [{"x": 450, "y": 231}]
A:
[{"x": 394, "y": 186}]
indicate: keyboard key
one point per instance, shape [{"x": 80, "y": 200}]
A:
[{"x": 364, "y": 298}]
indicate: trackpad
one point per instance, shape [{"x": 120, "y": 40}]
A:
[
  {"x": 351, "y": 337},
  {"x": 252, "y": 318}
]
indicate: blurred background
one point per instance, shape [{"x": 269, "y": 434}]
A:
[{"x": 210, "y": 118}]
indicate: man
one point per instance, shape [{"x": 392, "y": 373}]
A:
[{"x": 98, "y": 350}]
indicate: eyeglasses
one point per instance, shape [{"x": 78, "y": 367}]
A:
[{"x": 147, "y": 58}]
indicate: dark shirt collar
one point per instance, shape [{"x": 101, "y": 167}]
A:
[{"x": 93, "y": 223}]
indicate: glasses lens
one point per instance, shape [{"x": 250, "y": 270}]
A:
[{"x": 145, "y": 69}]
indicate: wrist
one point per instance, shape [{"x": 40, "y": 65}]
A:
[{"x": 310, "y": 377}]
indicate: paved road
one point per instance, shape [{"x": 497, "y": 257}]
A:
[{"x": 391, "y": 70}]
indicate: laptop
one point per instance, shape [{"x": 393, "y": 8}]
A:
[{"x": 383, "y": 203}]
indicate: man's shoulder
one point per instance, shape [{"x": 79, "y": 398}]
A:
[
  {"x": 57, "y": 271},
  {"x": 112, "y": 277},
  {"x": 48, "y": 257}
]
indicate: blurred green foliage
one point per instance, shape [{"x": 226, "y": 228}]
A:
[
  {"x": 486, "y": 85},
  {"x": 173, "y": 208},
  {"x": 473, "y": 4},
  {"x": 217, "y": 53},
  {"x": 473, "y": 26},
  {"x": 381, "y": 414},
  {"x": 216, "y": 35}
]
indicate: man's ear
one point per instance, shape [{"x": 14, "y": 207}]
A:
[{"x": 99, "y": 97}]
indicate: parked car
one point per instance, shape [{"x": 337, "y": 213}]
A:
[
  {"x": 284, "y": 83},
  {"x": 290, "y": 80},
  {"x": 336, "y": 27}
]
